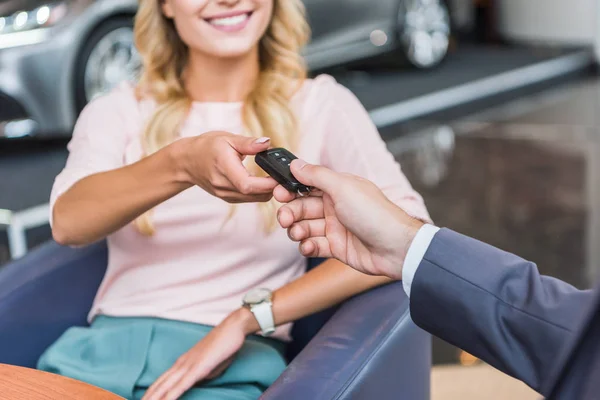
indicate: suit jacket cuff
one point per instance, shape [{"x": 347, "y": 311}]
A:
[{"x": 415, "y": 254}]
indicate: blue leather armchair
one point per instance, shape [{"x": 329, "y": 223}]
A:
[{"x": 367, "y": 348}]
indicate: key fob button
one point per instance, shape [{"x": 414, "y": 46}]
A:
[{"x": 277, "y": 163}]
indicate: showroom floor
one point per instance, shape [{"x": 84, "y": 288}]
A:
[
  {"x": 449, "y": 382},
  {"x": 524, "y": 176}
]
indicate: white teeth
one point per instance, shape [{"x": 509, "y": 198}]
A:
[{"x": 229, "y": 21}]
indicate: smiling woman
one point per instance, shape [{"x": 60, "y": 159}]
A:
[
  {"x": 157, "y": 167},
  {"x": 264, "y": 62},
  {"x": 211, "y": 30}
]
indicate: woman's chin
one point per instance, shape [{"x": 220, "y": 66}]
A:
[{"x": 230, "y": 49}]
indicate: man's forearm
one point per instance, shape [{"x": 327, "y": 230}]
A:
[{"x": 496, "y": 306}]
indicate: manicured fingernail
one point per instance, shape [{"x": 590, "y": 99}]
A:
[
  {"x": 300, "y": 163},
  {"x": 262, "y": 140}
]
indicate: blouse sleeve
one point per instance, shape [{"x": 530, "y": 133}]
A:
[
  {"x": 98, "y": 143},
  {"x": 352, "y": 144}
]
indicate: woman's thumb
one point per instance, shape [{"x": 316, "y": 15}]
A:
[{"x": 249, "y": 146}]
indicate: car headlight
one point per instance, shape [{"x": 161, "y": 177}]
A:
[{"x": 41, "y": 17}]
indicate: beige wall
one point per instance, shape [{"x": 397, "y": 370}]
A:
[{"x": 548, "y": 21}]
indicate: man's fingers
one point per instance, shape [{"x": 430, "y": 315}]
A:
[
  {"x": 307, "y": 229},
  {"x": 247, "y": 146},
  {"x": 317, "y": 176},
  {"x": 300, "y": 209},
  {"x": 316, "y": 247},
  {"x": 282, "y": 195},
  {"x": 316, "y": 193}
]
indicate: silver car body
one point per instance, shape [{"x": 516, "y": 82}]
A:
[
  {"x": 37, "y": 67},
  {"x": 39, "y": 76}
]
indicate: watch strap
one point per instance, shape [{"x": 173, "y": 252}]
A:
[{"x": 263, "y": 313}]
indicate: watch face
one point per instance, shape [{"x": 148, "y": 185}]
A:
[{"x": 257, "y": 296}]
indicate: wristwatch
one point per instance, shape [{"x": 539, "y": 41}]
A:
[{"x": 259, "y": 302}]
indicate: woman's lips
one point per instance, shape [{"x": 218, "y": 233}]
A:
[{"x": 233, "y": 22}]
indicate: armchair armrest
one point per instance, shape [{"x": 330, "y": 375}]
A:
[
  {"x": 370, "y": 349},
  {"x": 43, "y": 294}
]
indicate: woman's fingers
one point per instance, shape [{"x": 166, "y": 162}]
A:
[
  {"x": 162, "y": 385},
  {"x": 185, "y": 382},
  {"x": 220, "y": 369},
  {"x": 247, "y": 146},
  {"x": 241, "y": 180},
  {"x": 195, "y": 374},
  {"x": 237, "y": 198}
]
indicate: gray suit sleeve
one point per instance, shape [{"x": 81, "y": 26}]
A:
[{"x": 495, "y": 306}]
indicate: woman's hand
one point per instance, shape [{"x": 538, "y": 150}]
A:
[
  {"x": 213, "y": 161},
  {"x": 208, "y": 359}
]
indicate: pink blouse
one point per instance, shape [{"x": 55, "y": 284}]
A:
[{"x": 195, "y": 268}]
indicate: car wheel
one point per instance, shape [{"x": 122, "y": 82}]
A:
[
  {"x": 108, "y": 58},
  {"x": 424, "y": 30}
]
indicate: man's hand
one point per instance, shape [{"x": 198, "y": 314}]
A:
[{"x": 349, "y": 218}]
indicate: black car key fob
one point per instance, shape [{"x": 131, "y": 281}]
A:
[{"x": 276, "y": 162}]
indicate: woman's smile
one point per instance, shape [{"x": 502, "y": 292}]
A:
[{"x": 234, "y": 21}]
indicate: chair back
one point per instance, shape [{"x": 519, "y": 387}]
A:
[
  {"x": 52, "y": 289},
  {"x": 43, "y": 294}
]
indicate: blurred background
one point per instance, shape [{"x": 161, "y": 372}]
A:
[{"x": 490, "y": 106}]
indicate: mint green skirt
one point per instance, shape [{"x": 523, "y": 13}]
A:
[{"x": 126, "y": 355}]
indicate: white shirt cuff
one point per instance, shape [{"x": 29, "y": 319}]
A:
[{"x": 415, "y": 254}]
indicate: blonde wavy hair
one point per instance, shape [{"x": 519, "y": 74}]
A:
[{"x": 266, "y": 110}]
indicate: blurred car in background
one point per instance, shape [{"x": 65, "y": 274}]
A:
[{"x": 55, "y": 56}]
